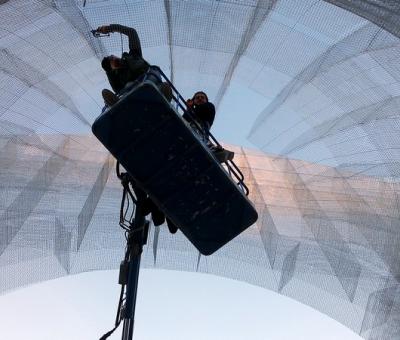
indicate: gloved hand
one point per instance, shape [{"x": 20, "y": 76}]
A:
[{"x": 103, "y": 29}]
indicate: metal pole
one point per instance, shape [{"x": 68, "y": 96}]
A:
[
  {"x": 136, "y": 239},
  {"x": 131, "y": 294}
]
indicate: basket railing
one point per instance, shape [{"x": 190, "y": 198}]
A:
[{"x": 203, "y": 131}]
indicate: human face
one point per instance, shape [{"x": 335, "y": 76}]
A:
[
  {"x": 115, "y": 62},
  {"x": 200, "y": 98}
]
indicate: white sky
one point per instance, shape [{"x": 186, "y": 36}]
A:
[
  {"x": 236, "y": 115},
  {"x": 171, "y": 306}
]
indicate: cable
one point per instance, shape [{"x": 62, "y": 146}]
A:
[{"x": 122, "y": 44}]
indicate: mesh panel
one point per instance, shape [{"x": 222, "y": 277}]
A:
[{"x": 325, "y": 183}]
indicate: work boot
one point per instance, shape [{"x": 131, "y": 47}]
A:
[
  {"x": 110, "y": 98},
  {"x": 157, "y": 216},
  {"x": 171, "y": 226},
  {"x": 224, "y": 155},
  {"x": 221, "y": 154},
  {"x": 147, "y": 206}
]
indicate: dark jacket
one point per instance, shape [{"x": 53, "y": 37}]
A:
[
  {"x": 204, "y": 113},
  {"x": 134, "y": 65}
]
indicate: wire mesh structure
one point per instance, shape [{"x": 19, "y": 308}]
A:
[{"x": 325, "y": 180}]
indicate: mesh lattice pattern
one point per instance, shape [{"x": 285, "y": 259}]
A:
[{"x": 325, "y": 182}]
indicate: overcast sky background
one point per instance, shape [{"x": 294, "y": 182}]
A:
[{"x": 171, "y": 305}]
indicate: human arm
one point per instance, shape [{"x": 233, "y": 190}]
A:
[
  {"x": 205, "y": 112},
  {"x": 187, "y": 116},
  {"x": 133, "y": 38}
]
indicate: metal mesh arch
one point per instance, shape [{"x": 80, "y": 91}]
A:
[{"x": 325, "y": 180}]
